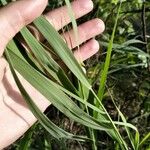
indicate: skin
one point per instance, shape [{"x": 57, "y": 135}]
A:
[{"x": 15, "y": 117}]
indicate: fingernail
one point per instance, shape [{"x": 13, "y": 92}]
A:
[
  {"x": 95, "y": 45},
  {"x": 100, "y": 25},
  {"x": 86, "y": 4}
]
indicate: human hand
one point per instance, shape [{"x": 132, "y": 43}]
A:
[{"x": 15, "y": 117}]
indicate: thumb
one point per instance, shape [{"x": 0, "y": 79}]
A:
[{"x": 16, "y": 15}]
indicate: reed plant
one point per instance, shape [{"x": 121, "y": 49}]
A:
[{"x": 41, "y": 70}]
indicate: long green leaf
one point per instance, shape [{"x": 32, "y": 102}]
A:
[
  {"x": 60, "y": 47},
  {"x": 48, "y": 125},
  {"x": 54, "y": 94},
  {"x": 147, "y": 137},
  {"x": 46, "y": 60},
  {"x": 107, "y": 61}
]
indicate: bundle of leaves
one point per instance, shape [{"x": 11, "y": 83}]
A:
[{"x": 79, "y": 102}]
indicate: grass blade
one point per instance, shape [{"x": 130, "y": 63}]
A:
[
  {"x": 147, "y": 137},
  {"x": 51, "y": 91},
  {"x": 27, "y": 139},
  {"x": 60, "y": 47},
  {"x": 46, "y": 60},
  {"x": 108, "y": 58},
  {"x": 47, "y": 124}
]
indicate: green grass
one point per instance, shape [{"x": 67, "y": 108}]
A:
[{"x": 97, "y": 106}]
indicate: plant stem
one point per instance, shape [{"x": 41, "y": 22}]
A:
[{"x": 123, "y": 145}]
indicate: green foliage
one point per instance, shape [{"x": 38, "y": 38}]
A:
[{"x": 123, "y": 71}]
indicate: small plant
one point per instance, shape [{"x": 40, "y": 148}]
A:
[{"x": 39, "y": 68}]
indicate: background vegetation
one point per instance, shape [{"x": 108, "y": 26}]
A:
[{"x": 128, "y": 82}]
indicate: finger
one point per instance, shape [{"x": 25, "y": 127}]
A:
[
  {"x": 87, "y": 50},
  {"x": 86, "y": 31},
  {"x": 16, "y": 15},
  {"x": 59, "y": 17}
]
